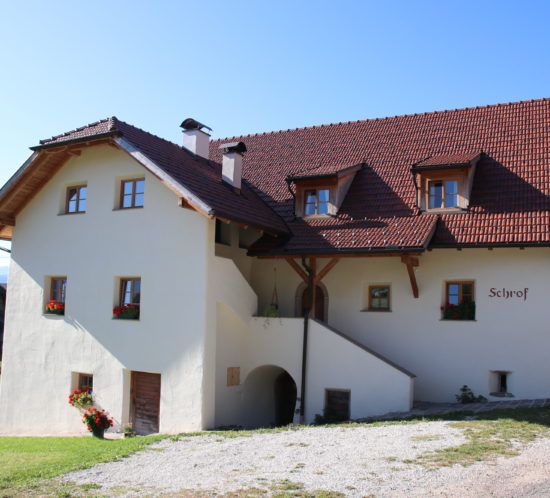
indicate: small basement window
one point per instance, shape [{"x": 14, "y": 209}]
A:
[
  {"x": 500, "y": 381},
  {"x": 337, "y": 404}
]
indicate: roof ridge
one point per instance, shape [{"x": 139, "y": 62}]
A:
[
  {"x": 327, "y": 125},
  {"x": 119, "y": 121}
]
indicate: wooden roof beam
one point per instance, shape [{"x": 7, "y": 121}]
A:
[
  {"x": 411, "y": 262},
  {"x": 329, "y": 266},
  {"x": 297, "y": 268}
]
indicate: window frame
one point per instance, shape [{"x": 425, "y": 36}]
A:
[
  {"x": 316, "y": 190},
  {"x": 443, "y": 182},
  {"x": 461, "y": 310},
  {"x": 133, "y": 194},
  {"x": 122, "y": 291},
  {"x": 78, "y": 198},
  {"x": 84, "y": 386},
  {"x": 370, "y": 307},
  {"x": 460, "y": 284},
  {"x": 53, "y": 289}
]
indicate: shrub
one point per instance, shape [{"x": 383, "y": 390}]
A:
[{"x": 467, "y": 396}]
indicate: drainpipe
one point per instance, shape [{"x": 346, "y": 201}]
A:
[{"x": 307, "y": 311}]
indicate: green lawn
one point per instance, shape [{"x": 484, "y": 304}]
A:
[{"x": 25, "y": 460}]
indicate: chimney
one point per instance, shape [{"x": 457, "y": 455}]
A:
[
  {"x": 232, "y": 163},
  {"x": 195, "y": 139}
]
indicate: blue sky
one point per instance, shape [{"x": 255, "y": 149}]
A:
[{"x": 251, "y": 66}]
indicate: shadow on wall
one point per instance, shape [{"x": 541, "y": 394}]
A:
[{"x": 269, "y": 397}]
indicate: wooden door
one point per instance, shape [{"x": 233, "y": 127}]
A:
[
  {"x": 319, "y": 305},
  {"x": 145, "y": 402}
]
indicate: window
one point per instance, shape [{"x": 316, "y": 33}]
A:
[
  {"x": 129, "y": 299},
  {"x": 442, "y": 194},
  {"x": 76, "y": 199},
  {"x": 500, "y": 384},
  {"x": 58, "y": 288},
  {"x": 459, "y": 301},
  {"x": 316, "y": 202},
  {"x": 85, "y": 382},
  {"x": 131, "y": 193},
  {"x": 337, "y": 404},
  {"x": 379, "y": 298}
]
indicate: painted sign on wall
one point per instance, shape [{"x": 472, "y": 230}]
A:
[{"x": 509, "y": 293}]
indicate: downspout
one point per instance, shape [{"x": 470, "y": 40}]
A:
[
  {"x": 288, "y": 182},
  {"x": 309, "y": 305}
]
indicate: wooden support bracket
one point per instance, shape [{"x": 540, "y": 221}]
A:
[
  {"x": 411, "y": 262},
  {"x": 329, "y": 266},
  {"x": 297, "y": 268}
]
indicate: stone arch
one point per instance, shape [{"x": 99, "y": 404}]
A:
[
  {"x": 269, "y": 397},
  {"x": 299, "y": 295}
]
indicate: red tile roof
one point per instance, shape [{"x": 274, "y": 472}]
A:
[
  {"x": 200, "y": 176},
  {"x": 509, "y": 203}
]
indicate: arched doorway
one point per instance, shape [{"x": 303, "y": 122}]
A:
[
  {"x": 269, "y": 397},
  {"x": 320, "y": 305}
]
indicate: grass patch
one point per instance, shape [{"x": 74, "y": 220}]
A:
[
  {"x": 26, "y": 460},
  {"x": 492, "y": 434}
]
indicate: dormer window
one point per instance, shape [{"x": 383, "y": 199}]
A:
[
  {"x": 321, "y": 190},
  {"x": 444, "y": 183},
  {"x": 443, "y": 194},
  {"x": 317, "y": 202}
]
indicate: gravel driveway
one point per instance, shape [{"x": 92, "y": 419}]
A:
[{"x": 355, "y": 461}]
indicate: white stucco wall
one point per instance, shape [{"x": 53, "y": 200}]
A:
[
  {"x": 508, "y": 334},
  {"x": 333, "y": 362},
  {"x": 165, "y": 245}
]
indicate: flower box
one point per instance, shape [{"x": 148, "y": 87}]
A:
[
  {"x": 126, "y": 312},
  {"x": 55, "y": 308},
  {"x": 462, "y": 311}
]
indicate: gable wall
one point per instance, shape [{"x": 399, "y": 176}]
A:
[{"x": 165, "y": 245}]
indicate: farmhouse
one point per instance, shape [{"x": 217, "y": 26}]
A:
[{"x": 351, "y": 269}]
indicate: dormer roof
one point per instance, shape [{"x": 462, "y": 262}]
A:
[{"x": 447, "y": 161}]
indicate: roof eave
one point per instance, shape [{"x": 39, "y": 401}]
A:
[{"x": 90, "y": 138}]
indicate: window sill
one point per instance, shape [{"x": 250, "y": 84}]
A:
[
  {"x": 457, "y": 320},
  {"x": 452, "y": 210},
  {"x": 367, "y": 310},
  {"x": 127, "y": 208},
  {"x": 317, "y": 216},
  {"x": 70, "y": 214},
  {"x": 53, "y": 315},
  {"x": 502, "y": 395},
  {"x": 118, "y": 319}
]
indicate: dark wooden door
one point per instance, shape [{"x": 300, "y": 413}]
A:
[
  {"x": 145, "y": 402},
  {"x": 319, "y": 303}
]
